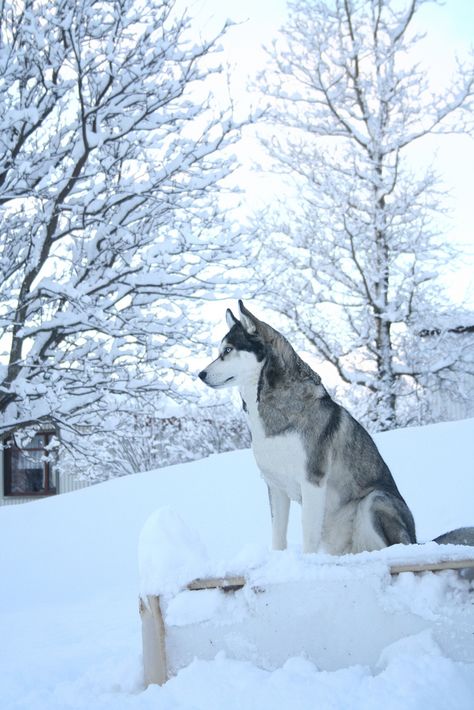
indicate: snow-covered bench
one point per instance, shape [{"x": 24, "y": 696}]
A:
[{"x": 335, "y": 611}]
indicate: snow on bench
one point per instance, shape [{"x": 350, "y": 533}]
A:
[{"x": 336, "y": 611}]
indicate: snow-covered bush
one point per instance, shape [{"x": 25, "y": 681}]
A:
[{"x": 143, "y": 440}]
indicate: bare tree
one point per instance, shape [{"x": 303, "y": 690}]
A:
[
  {"x": 355, "y": 264},
  {"x": 111, "y": 152}
]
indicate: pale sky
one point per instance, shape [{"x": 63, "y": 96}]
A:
[{"x": 449, "y": 30}]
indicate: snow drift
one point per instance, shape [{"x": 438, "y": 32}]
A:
[{"x": 70, "y": 625}]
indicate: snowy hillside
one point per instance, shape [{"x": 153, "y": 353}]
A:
[{"x": 70, "y": 632}]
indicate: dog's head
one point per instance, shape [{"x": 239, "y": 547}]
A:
[{"x": 241, "y": 352}]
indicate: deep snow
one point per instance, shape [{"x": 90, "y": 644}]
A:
[{"x": 69, "y": 627}]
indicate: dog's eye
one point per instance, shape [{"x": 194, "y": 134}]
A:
[{"x": 227, "y": 350}]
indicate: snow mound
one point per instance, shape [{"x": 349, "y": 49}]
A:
[{"x": 170, "y": 554}]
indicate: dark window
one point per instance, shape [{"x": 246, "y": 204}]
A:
[{"x": 28, "y": 471}]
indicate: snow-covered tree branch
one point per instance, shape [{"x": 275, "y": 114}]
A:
[
  {"x": 112, "y": 150},
  {"x": 359, "y": 256}
]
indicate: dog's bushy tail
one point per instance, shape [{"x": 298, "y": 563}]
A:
[{"x": 460, "y": 536}]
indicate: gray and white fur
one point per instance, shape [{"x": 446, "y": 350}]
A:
[{"x": 307, "y": 447}]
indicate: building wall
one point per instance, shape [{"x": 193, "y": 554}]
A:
[{"x": 66, "y": 484}]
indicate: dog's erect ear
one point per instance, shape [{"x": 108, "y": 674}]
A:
[
  {"x": 248, "y": 321},
  {"x": 230, "y": 318}
]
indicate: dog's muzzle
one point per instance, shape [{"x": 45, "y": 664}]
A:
[{"x": 203, "y": 376}]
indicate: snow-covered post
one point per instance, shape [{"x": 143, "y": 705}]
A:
[
  {"x": 169, "y": 555},
  {"x": 354, "y": 265}
]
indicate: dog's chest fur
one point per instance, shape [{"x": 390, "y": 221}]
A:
[{"x": 281, "y": 457}]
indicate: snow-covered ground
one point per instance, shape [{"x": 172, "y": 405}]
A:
[{"x": 70, "y": 635}]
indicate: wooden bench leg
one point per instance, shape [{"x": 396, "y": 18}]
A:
[{"x": 154, "y": 643}]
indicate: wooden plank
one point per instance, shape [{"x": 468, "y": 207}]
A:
[
  {"x": 432, "y": 566},
  {"x": 227, "y": 584},
  {"x": 231, "y": 584},
  {"x": 155, "y": 664}
]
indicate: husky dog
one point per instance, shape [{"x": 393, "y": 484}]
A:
[{"x": 308, "y": 448}]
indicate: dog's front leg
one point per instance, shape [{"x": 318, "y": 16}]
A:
[
  {"x": 313, "y": 505},
  {"x": 280, "y": 509}
]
